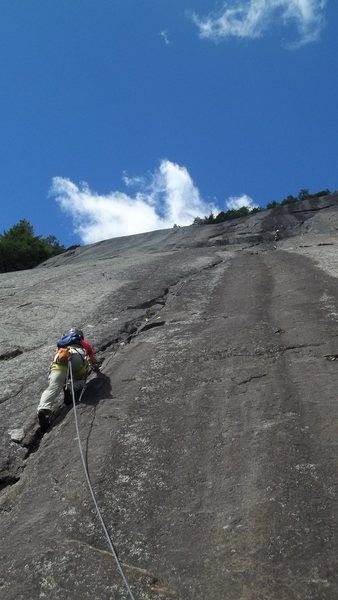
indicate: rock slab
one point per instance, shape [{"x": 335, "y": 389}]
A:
[{"x": 210, "y": 438}]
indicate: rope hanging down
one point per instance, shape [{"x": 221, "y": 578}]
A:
[{"x": 110, "y": 543}]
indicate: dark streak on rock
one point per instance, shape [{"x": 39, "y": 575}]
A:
[
  {"x": 152, "y": 302},
  {"x": 7, "y": 481},
  {"x": 148, "y": 326},
  {"x": 11, "y": 354},
  {"x": 251, "y": 378},
  {"x": 310, "y": 210},
  {"x": 331, "y": 356}
]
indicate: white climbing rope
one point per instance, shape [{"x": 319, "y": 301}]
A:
[{"x": 109, "y": 540}]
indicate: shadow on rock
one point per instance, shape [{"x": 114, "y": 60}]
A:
[{"x": 98, "y": 388}]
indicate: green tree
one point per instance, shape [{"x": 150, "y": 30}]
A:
[
  {"x": 272, "y": 204},
  {"x": 220, "y": 217},
  {"x": 322, "y": 193},
  {"x": 210, "y": 218},
  {"x": 53, "y": 242},
  {"x": 303, "y": 194},
  {"x": 289, "y": 200},
  {"x": 21, "y": 249},
  {"x": 243, "y": 211}
]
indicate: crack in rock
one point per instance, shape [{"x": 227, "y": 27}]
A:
[
  {"x": 300, "y": 346},
  {"x": 11, "y": 396},
  {"x": 331, "y": 356},
  {"x": 125, "y": 335},
  {"x": 8, "y": 480},
  {"x": 11, "y": 354},
  {"x": 142, "y": 323},
  {"x": 251, "y": 378},
  {"x": 161, "y": 300},
  {"x": 28, "y": 438},
  {"x": 151, "y": 325},
  {"x": 273, "y": 351},
  {"x": 310, "y": 210}
]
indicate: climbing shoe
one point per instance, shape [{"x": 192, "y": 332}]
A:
[{"x": 43, "y": 416}]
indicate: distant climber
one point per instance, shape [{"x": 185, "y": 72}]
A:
[
  {"x": 276, "y": 235},
  {"x": 74, "y": 348}
]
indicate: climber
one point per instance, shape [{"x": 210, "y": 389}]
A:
[
  {"x": 74, "y": 348},
  {"x": 276, "y": 235}
]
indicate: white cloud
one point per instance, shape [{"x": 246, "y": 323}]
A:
[
  {"x": 164, "y": 35},
  {"x": 133, "y": 182},
  {"x": 252, "y": 18},
  {"x": 167, "y": 197},
  {"x": 236, "y": 202}
]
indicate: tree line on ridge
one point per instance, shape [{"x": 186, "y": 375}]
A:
[
  {"x": 244, "y": 210},
  {"x": 21, "y": 249}
]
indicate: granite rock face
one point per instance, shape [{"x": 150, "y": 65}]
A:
[{"x": 211, "y": 436}]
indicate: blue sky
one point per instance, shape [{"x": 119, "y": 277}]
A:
[{"x": 120, "y": 116}]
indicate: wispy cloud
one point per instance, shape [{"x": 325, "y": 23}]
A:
[
  {"x": 253, "y": 18},
  {"x": 236, "y": 202},
  {"x": 166, "y": 197},
  {"x": 164, "y": 35}
]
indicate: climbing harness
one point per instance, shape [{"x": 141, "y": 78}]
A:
[{"x": 109, "y": 540}]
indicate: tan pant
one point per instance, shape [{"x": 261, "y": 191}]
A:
[{"x": 57, "y": 381}]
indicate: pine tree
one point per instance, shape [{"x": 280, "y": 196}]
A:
[{"x": 21, "y": 249}]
